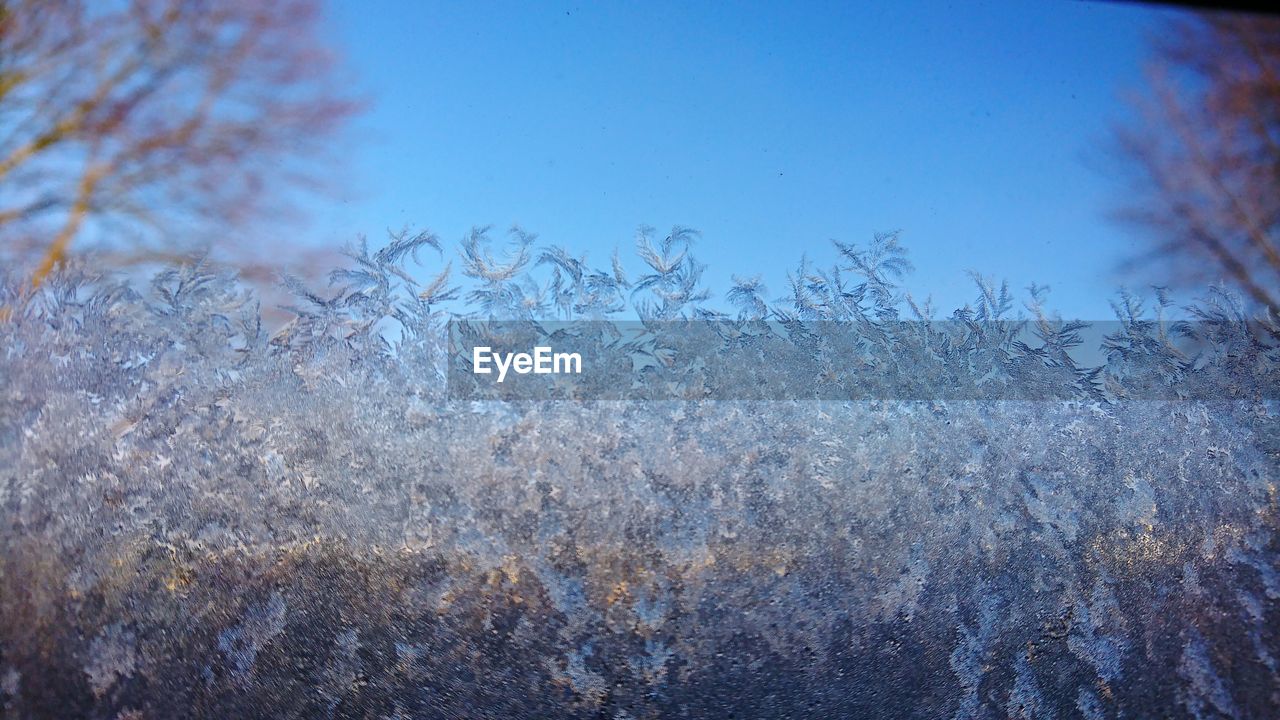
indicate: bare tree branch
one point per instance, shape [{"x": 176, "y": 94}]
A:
[
  {"x": 154, "y": 115},
  {"x": 1205, "y": 153}
]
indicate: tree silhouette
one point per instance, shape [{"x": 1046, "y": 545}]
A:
[
  {"x": 1205, "y": 148},
  {"x": 155, "y": 119}
]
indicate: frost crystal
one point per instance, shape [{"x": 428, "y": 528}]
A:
[{"x": 201, "y": 518}]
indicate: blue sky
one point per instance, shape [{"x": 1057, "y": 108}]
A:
[{"x": 973, "y": 127}]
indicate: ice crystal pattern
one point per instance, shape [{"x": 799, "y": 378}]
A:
[{"x": 202, "y": 520}]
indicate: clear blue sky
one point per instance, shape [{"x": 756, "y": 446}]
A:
[{"x": 771, "y": 128}]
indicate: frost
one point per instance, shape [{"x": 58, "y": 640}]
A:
[
  {"x": 10, "y": 682},
  {"x": 969, "y": 660},
  {"x": 1207, "y": 693},
  {"x": 1100, "y": 635},
  {"x": 1025, "y": 700},
  {"x": 1013, "y": 515},
  {"x": 112, "y": 657},
  {"x": 1089, "y": 705},
  {"x": 241, "y": 644}
]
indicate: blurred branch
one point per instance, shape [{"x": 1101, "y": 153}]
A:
[
  {"x": 156, "y": 116},
  {"x": 1206, "y": 151}
]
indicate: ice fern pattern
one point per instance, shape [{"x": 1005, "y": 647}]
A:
[{"x": 205, "y": 519}]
